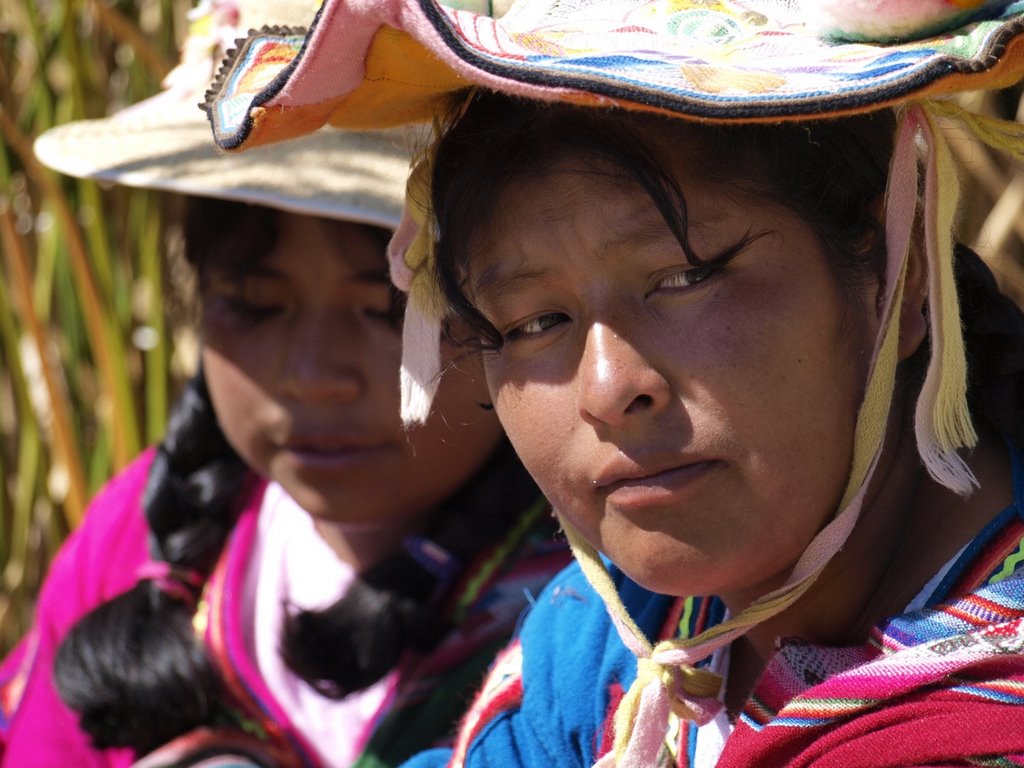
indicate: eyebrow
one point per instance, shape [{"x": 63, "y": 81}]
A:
[
  {"x": 242, "y": 269},
  {"x": 239, "y": 269},
  {"x": 645, "y": 225},
  {"x": 648, "y": 227},
  {"x": 497, "y": 276},
  {"x": 645, "y": 228},
  {"x": 377, "y": 275}
]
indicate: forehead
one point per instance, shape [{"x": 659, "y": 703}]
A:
[
  {"x": 588, "y": 159},
  {"x": 594, "y": 203},
  {"x": 354, "y": 247},
  {"x": 295, "y": 244}
]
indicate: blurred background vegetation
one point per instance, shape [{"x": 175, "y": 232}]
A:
[
  {"x": 89, "y": 357},
  {"x": 85, "y": 350}
]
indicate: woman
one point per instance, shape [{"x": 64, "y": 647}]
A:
[
  {"x": 291, "y": 577},
  {"x": 702, "y": 411},
  {"x": 741, "y": 359}
]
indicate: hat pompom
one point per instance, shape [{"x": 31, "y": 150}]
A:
[{"x": 892, "y": 20}]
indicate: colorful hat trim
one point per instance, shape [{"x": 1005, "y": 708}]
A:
[{"x": 373, "y": 63}]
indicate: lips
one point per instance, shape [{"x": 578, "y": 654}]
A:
[
  {"x": 326, "y": 443},
  {"x": 332, "y": 451},
  {"x": 634, "y": 485}
]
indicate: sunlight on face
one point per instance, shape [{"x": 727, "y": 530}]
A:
[{"x": 694, "y": 423}]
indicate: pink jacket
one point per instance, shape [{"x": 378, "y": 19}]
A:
[
  {"x": 96, "y": 563},
  {"x": 101, "y": 559}
]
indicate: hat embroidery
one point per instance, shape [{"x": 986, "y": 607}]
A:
[{"x": 701, "y": 59}]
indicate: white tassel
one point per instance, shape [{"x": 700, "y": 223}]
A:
[{"x": 421, "y": 361}]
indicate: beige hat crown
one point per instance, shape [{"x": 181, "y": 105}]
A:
[
  {"x": 164, "y": 142},
  {"x": 253, "y": 14}
]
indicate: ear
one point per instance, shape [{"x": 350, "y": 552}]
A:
[{"x": 913, "y": 319}]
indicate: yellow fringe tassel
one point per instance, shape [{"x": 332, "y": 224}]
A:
[{"x": 942, "y": 420}]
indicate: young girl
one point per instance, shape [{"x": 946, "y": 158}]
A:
[
  {"x": 735, "y": 345},
  {"x": 291, "y": 577}
]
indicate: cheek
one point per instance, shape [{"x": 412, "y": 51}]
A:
[
  {"x": 238, "y": 401},
  {"x": 460, "y": 430},
  {"x": 538, "y": 419},
  {"x": 790, "y": 393}
]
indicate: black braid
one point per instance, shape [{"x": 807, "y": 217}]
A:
[
  {"x": 392, "y": 607},
  {"x": 133, "y": 667}
]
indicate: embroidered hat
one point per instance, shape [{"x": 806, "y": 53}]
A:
[
  {"x": 384, "y": 62},
  {"x": 372, "y": 63},
  {"x": 164, "y": 142}
]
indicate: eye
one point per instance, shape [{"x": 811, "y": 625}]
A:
[
  {"x": 251, "y": 311},
  {"x": 385, "y": 304},
  {"x": 687, "y": 277},
  {"x": 534, "y": 327},
  {"x": 251, "y": 298},
  {"x": 680, "y": 279}
]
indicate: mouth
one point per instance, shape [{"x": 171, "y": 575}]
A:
[
  {"x": 630, "y": 486},
  {"x": 331, "y": 452}
]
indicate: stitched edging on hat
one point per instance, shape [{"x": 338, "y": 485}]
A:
[
  {"x": 918, "y": 69},
  {"x": 710, "y": 107},
  {"x": 234, "y": 62}
]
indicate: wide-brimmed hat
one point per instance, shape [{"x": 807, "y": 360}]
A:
[
  {"x": 384, "y": 62},
  {"x": 164, "y": 142}
]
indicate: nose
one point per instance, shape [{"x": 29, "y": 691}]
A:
[
  {"x": 616, "y": 381},
  {"x": 322, "y": 364}
]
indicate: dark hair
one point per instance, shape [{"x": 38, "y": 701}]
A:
[
  {"x": 832, "y": 173},
  {"x": 498, "y": 140},
  {"x": 133, "y": 667}
]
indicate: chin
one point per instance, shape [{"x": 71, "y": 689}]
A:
[
  {"x": 315, "y": 504},
  {"x": 663, "y": 573},
  {"x": 683, "y": 570}
]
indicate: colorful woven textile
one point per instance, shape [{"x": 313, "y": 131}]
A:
[
  {"x": 949, "y": 684},
  {"x": 955, "y": 700}
]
